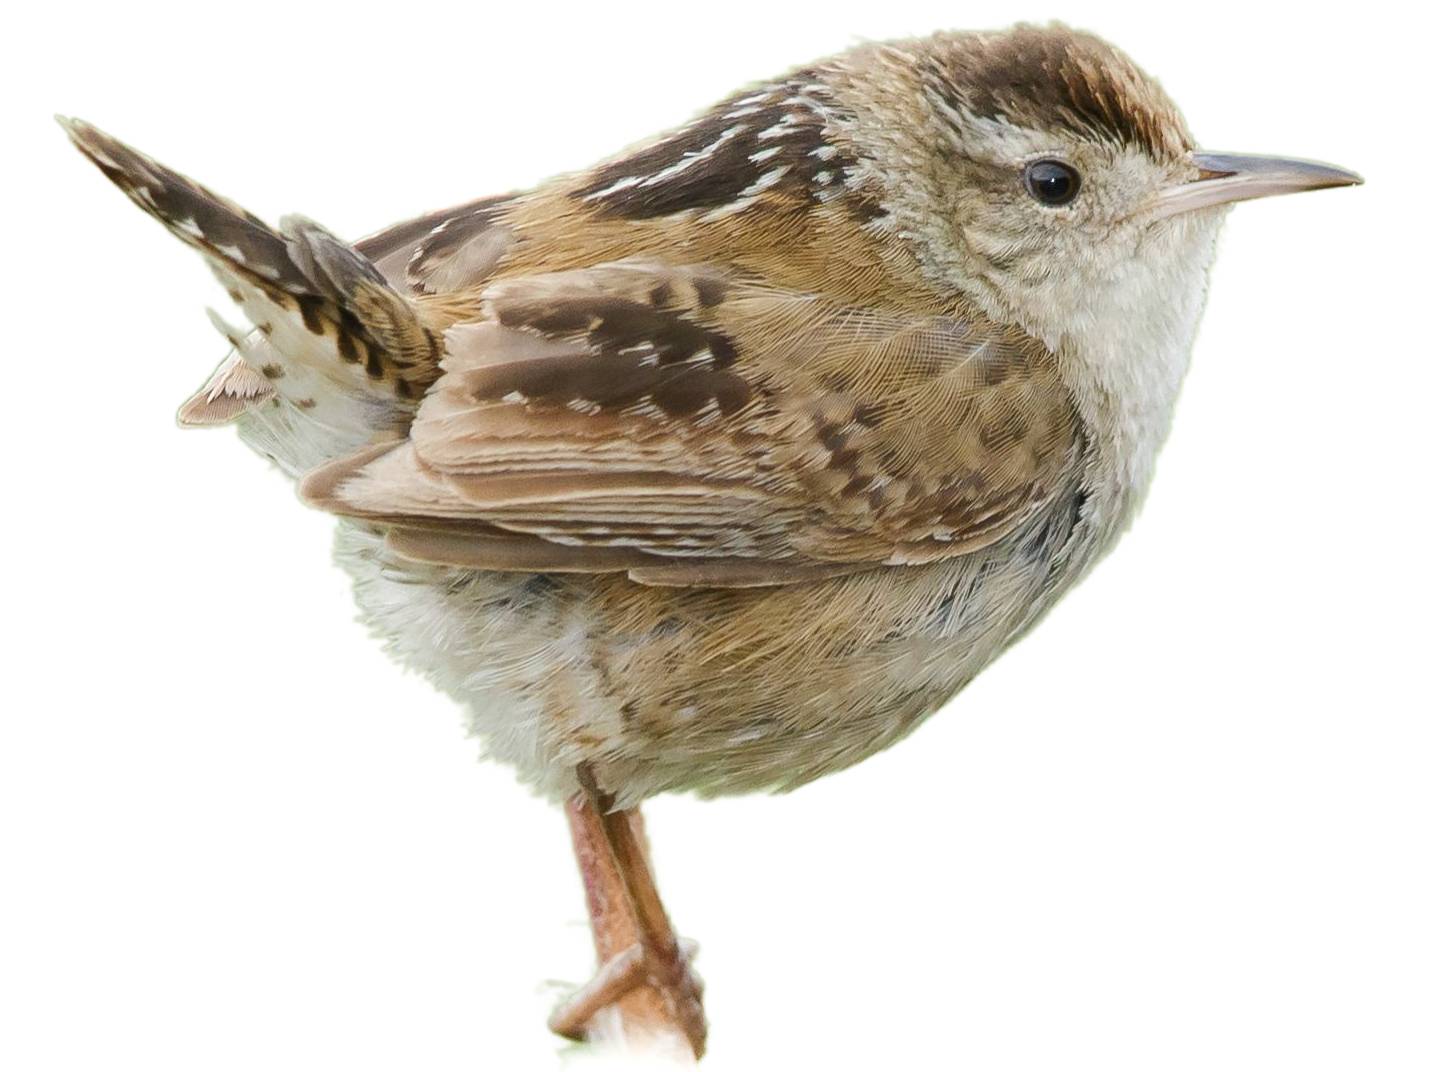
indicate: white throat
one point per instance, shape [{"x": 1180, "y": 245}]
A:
[{"x": 1125, "y": 341}]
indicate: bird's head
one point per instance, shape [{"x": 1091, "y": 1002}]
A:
[{"x": 1053, "y": 181}]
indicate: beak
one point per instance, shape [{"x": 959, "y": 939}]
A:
[{"x": 1228, "y": 177}]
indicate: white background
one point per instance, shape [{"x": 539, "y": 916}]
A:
[{"x": 1183, "y": 826}]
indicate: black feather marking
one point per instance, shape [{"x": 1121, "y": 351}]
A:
[
  {"x": 347, "y": 346},
  {"x": 192, "y": 212},
  {"x": 735, "y": 148},
  {"x": 311, "y": 310},
  {"x": 394, "y": 238},
  {"x": 305, "y": 266}
]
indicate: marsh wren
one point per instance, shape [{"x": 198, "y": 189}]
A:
[{"x": 721, "y": 465}]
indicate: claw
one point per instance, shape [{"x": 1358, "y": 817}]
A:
[{"x": 614, "y": 980}]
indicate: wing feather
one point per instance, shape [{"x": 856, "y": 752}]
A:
[{"x": 691, "y": 425}]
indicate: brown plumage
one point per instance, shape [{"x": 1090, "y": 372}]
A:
[
  {"x": 684, "y": 414},
  {"x": 720, "y": 465}
]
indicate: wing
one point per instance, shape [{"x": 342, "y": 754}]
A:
[
  {"x": 691, "y": 425},
  {"x": 443, "y": 251}
]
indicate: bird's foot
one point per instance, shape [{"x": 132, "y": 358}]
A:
[{"x": 667, "y": 975}]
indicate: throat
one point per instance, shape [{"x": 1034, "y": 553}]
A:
[
  {"x": 1126, "y": 363},
  {"x": 1127, "y": 390}
]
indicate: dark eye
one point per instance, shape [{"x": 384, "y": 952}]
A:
[{"x": 1051, "y": 181}]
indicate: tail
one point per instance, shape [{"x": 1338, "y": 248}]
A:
[{"x": 333, "y": 338}]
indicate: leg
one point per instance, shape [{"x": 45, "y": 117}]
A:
[{"x": 644, "y": 986}]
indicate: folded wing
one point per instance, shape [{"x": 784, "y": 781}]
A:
[{"x": 694, "y": 426}]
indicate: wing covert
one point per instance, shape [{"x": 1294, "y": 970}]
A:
[{"x": 692, "y": 425}]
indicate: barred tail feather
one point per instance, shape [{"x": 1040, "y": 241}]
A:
[{"x": 333, "y": 338}]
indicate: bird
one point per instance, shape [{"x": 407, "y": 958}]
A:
[{"x": 722, "y": 464}]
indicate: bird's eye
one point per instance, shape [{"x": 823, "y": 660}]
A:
[{"x": 1051, "y": 181}]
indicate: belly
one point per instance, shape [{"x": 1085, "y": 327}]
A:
[{"x": 712, "y": 691}]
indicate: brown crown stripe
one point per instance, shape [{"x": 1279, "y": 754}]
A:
[{"x": 1056, "y": 78}]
